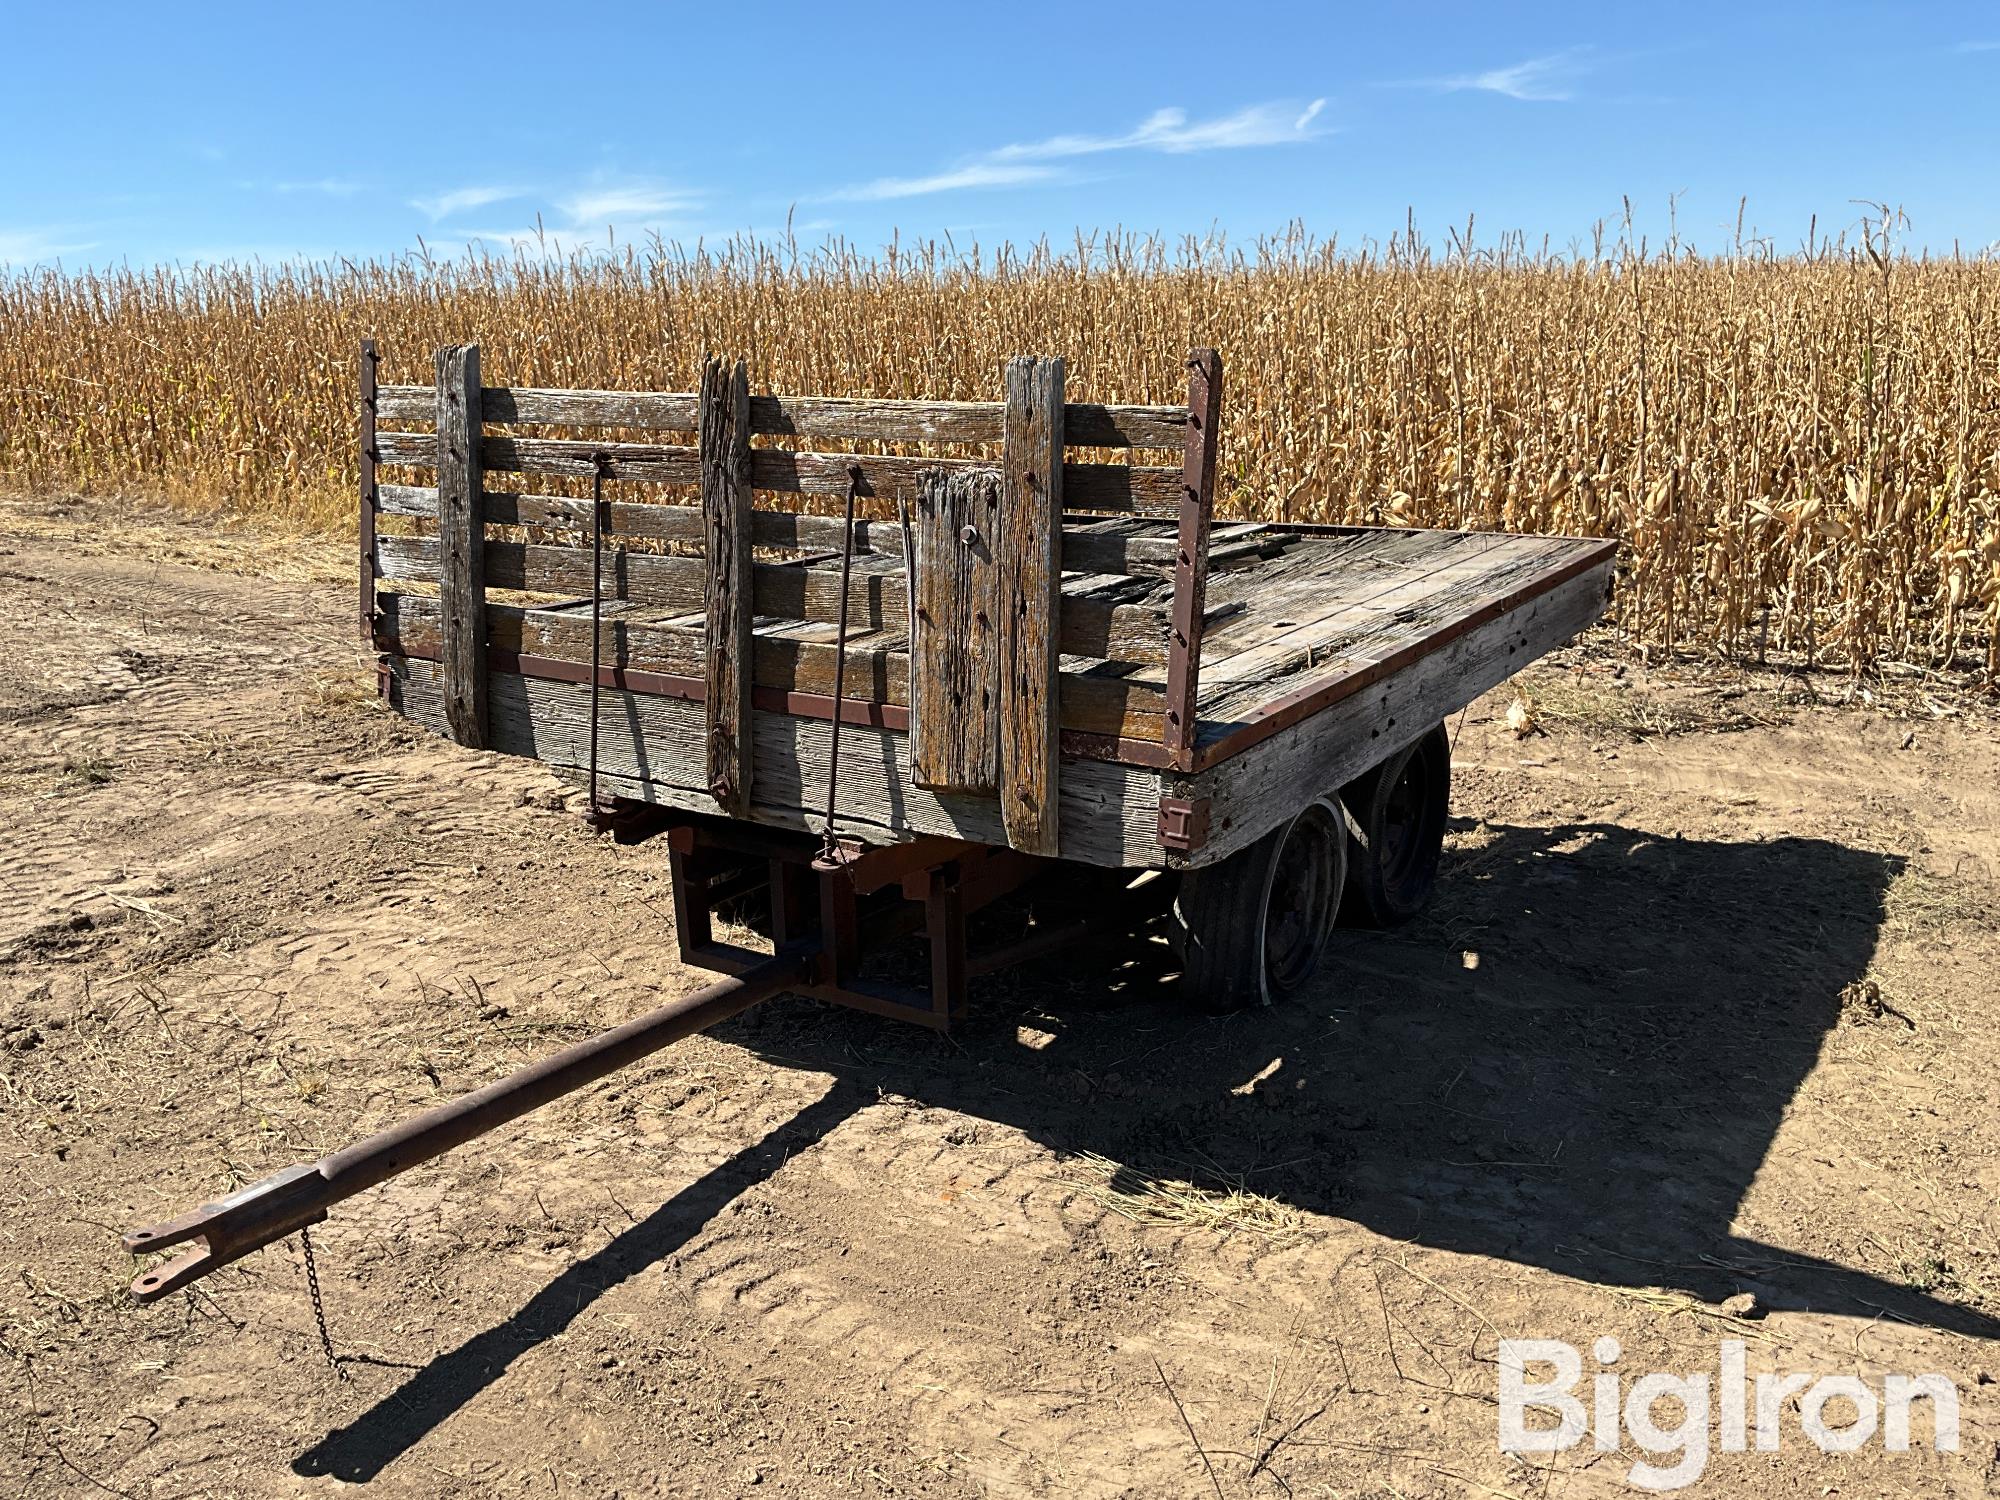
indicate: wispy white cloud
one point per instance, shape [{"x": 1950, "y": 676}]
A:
[
  {"x": 459, "y": 200},
  {"x": 1540, "y": 80},
  {"x": 977, "y": 175},
  {"x": 24, "y": 247},
  {"x": 1277, "y": 123},
  {"x": 316, "y": 187},
  {"x": 325, "y": 187},
  {"x": 628, "y": 208},
  {"x": 1977, "y": 47},
  {"x": 607, "y": 203}
]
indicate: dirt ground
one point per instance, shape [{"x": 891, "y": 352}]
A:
[{"x": 1706, "y": 1006}]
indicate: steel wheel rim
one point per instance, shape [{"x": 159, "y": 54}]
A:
[
  {"x": 1403, "y": 818},
  {"x": 1298, "y": 909}
]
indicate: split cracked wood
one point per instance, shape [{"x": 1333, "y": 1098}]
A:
[
  {"x": 731, "y": 585},
  {"x": 955, "y": 652},
  {"x": 1026, "y": 544},
  {"x": 461, "y": 543}
]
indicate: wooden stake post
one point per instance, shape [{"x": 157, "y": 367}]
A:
[
  {"x": 955, "y": 693},
  {"x": 1028, "y": 557},
  {"x": 461, "y": 545},
  {"x": 725, "y": 508}
]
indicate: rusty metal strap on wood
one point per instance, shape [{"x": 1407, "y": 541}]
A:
[{"x": 830, "y": 849}]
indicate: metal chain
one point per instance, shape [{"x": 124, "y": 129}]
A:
[
  {"x": 829, "y": 844},
  {"x": 600, "y": 461},
  {"x": 319, "y": 1306}
]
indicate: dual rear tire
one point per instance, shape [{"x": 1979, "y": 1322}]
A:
[{"x": 1254, "y": 926}]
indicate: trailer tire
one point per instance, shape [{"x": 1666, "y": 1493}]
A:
[
  {"x": 1254, "y": 926},
  {"x": 1395, "y": 827}
]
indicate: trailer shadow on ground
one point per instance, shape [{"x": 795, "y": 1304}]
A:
[{"x": 1578, "y": 1059}]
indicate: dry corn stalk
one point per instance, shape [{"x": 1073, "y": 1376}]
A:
[{"x": 1799, "y": 454}]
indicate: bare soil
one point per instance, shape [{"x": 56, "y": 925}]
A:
[{"x": 1706, "y": 1005}]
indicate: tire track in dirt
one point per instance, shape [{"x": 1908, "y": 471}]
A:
[
  {"x": 1009, "y": 1397},
  {"x": 913, "y": 1297}
]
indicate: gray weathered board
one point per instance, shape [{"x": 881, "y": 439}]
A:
[
  {"x": 730, "y": 607},
  {"x": 1252, "y": 791},
  {"x": 1028, "y": 548},
  {"x": 651, "y": 748},
  {"x": 954, "y": 644}
]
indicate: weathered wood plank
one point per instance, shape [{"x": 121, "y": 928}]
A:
[
  {"x": 461, "y": 542},
  {"x": 1087, "y": 487},
  {"x": 649, "y": 748},
  {"x": 1095, "y": 426},
  {"x": 1359, "y": 581},
  {"x": 1091, "y": 425},
  {"x": 1134, "y": 633},
  {"x": 725, "y": 504},
  {"x": 955, "y": 661},
  {"x": 1026, "y": 543},
  {"x": 1251, "y": 792},
  {"x": 1085, "y": 550},
  {"x": 1370, "y": 629},
  {"x": 877, "y": 664},
  {"x": 650, "y": 463}
]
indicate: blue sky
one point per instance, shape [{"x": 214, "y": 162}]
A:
[{"x": 153, "y": 133}]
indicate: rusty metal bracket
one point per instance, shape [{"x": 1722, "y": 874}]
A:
[
  {"x": 1183, "y": 823},
  {"x": 229, "y": 1228}
]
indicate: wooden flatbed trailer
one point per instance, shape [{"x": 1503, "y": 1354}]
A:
[{"x": 1013, "y": 654}]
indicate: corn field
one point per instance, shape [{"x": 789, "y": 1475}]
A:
[{"x": 1799, "y": 454}]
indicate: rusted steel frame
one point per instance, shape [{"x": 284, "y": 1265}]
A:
[
  {"x": 627, "y": 820},
  {"x": 692, "y": 928},
  {"x": 1037, "y": 943},
  {"x": 1303, "y": 702},
  {"x": 1117, "y": 917},
  {"x": 369, "y": 495},
  {"x": 689, "y": 832},
  {"x": 839, "y": 929},
  {"x": 1040, "y": 942},
  {"x": 1079, "y": 744},
  {"x": 942, "y": 881},
  {"x": 232, "y": 1227},
  {"x": 988, "y": 872},
  {"x": 791, "y": 895},
  {"x": 867, "y": 867},
  {"x": 1191, "y": 555},
  {"x": 875, "y": 998},
  {"x": 881, "y": 865},
  {"x": 944, "y": 927}
]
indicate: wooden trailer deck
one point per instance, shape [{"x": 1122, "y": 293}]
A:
[{"x": 1186, "y": 685}]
